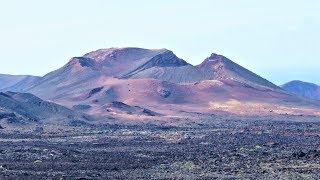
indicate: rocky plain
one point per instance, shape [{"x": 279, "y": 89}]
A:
[{"x": 284, "y": 148}]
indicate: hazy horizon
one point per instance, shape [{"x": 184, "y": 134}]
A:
[{"x": 277, "y": 40}]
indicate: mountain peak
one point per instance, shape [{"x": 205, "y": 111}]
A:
[
  {"x": 118, "y": 53},
  {"x": 212, "y": 60},
  {"x": 123, "y": 62},
  {"x": 221, "y": 68},
  {"x": 215, "y": 56}
]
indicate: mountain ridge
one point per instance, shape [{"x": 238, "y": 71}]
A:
[
  {"x": 153, "y": 79},
  {"x": 162, "y": 64}
]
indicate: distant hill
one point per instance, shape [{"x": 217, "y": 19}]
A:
[
  {"x": 305, "y": 89},
  {"x": 24, "y": 108},
  {"x": 16, "y": 82}
]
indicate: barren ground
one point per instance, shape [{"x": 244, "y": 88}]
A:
[{"x": 230, "y": 149}]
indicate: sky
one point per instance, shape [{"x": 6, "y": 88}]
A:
[{"x": 279, "y": 40}]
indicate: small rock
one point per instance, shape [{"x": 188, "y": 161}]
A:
[{"x": 164, "y": 92}]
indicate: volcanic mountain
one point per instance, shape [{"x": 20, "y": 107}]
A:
[
  {"x": 160, "y": 81},
  {"x": 221, "y": 68},
  {"x": 16, "y": 82},
  {"x": 24, "y": 108},
  {"x": 305, "y": 89},
  {"x": 137, "y": 63}
]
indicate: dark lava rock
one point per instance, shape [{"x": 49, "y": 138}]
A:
[
  {"x": 10, "y": 117},
  {"x": 77, "y": 123},
  {"x": 38, "y": 130},
  {"x": 118, "y": 104},
  {"x": 7, "y": 115},
  {"x": 300, "y": 154},
  {"x": 5, "y": 95},
  {"x": 81, "y": 178},
  {"x": 164, "y": 93},
  {"x": 313, "y": 154},
  {"x": 86, "y": 62},
  {"x": 81, "y": 107},
  {"x": 94, "y": 91},
  {"x": 149, "y": 112}
]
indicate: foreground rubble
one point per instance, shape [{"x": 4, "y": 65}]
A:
[{"x": 225, "y": 149}]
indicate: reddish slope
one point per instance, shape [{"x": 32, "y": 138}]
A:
[
  {"x": 205, "y": 96},
  {"x": 158, "y": 79},
  {"x": 221, "y": 68}
]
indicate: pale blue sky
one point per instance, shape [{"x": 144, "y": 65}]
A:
[{"x": 279, "y": 40}]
